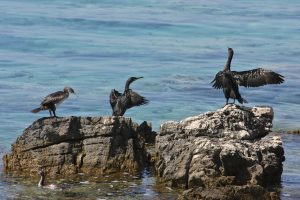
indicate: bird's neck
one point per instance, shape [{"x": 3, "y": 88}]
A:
[
  {"x": 42, "y": 181},
  {"x": 66, "y": 94},
  {"x": 228, "y": 63},
  {"x": 128, "y": 82}
]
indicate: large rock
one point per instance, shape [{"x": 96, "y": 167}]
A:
[
  {"x": 79, "y": 144},
  {"x": 229, "y": 147}
]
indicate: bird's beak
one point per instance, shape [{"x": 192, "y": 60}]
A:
[{"x": 139, "y": 77}]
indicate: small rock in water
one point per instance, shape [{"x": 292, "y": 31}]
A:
[
  {"x": 115, "y": 181},
  {"x": 81, "y": 174},
  {"x": 84, "y": 182},
  {"x": 111, "y": 186},
  {"x": 109, "y": 194}
]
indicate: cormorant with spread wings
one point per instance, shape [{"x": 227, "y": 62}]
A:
[
  {"x": 52, "y": 100},
  {"x": 121, "y": 102},
  {"x": 230, "y": 80}
]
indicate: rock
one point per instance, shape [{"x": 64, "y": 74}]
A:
[
  {"x": 73, "y": 145},
  {"x": 223, "y": 149},
  {"x": 229, "y": 193},
  {"x": 294, "y": 132}
]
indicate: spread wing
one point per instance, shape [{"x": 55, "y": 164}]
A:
[
  {"x": 54, "y": 98},
  {"x": 257, "y": 77},
  {"x": 136, "y": 99},
  {"x": 218, "y": 80},
  {"x": 114, "y": 95}
]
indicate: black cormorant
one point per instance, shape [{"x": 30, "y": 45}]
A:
[
  {"x": 121, "y": 102},
  {"x": 52, "y": 100},
  {"x": 230, "y": 80},
  {"x": 42, "y": 182}
]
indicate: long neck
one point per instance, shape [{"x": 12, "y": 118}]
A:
[
  {"x": 228, "y": 63},
  {"x": 128, "y": 82},
  {"x": 42, "y": 181}
]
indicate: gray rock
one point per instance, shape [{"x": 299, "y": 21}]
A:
[
  {"x": 229, "y": 147},
  {"x": 79, "y": 144}
]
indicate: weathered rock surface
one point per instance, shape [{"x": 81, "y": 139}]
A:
[
  {"x": 229, "y": 147},
  {"x": 79, "y": 144}
]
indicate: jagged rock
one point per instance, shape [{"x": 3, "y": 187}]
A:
[
  {"x": 79, "y": 144},
  {"x": 225, "y": 148}
]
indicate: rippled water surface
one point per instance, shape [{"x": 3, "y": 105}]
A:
[{"x": 178, "y": 46}]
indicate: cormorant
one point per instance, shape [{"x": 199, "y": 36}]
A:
[
  {"x": 230, "y": 80},
  {"x": 52, "y": 100},
  {"x": 42, "y": 182},
  {"x": 121, "y": 102}
]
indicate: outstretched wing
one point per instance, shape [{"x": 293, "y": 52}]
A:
[
  {"x": 54, "y": 98},
  {"x": 218, "y": 80},
  {"x": 257, "y": 77},
  {"x": 136, "y": 99},
  {"x": 114, "y": 95}
]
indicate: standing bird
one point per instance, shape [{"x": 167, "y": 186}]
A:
[
  {"x": 121, "y": 102},
  {"x": 230, "y": 80},
  {"x": 52, "y": 100}
]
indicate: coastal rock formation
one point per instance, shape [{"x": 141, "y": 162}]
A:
[
  {"x": 71, "y": 145},
  {"x": 229, "y": 147}
]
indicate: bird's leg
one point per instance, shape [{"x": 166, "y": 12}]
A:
[
  {"x": 233, "y": 101},
  {"x": 54, "y": 113},
  {"x": 226, "y": 101},
  {"x": 50, "y": 112},
  {"x": 54, "y": 108}
]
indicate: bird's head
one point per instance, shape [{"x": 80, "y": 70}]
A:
[
  {"x": 41, "y": 173},
  {"x": 230, "y": 50},
  {"x": 69, "y": 90},
  {"x": 131, "y": 79}
]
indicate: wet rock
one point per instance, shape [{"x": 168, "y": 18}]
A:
[
  {"x": 73, "y": 145},
  {"x": 223, "y": 149}
]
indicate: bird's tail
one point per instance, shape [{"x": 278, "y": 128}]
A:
[
  {"x": 241, "y": 100},
  {"x": 36, "y": 110}
]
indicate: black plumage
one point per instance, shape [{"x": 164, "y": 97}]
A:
[
  {"x": 51, "y": 101},
  {"x": 230, "y": 80},
  {"x": 121, "y": 102}
]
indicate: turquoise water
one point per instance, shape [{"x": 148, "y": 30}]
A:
[{"x": 178, "y": 46}]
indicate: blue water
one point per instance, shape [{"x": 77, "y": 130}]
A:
[{"x": 178, "y": 46}]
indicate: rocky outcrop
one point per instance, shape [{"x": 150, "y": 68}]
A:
[
  {"x": 80, "y": 144},
  {"x": 224, "y": 149}
]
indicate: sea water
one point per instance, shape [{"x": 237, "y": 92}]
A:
[{"x": 176, "y": 45}]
